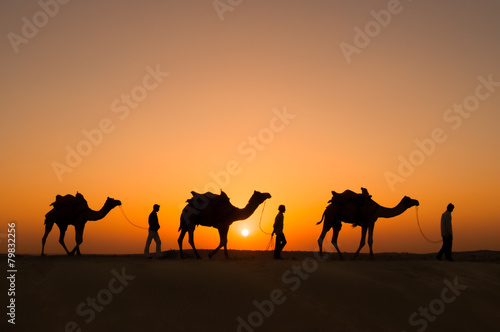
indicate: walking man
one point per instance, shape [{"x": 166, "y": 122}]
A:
[
  {"x": 446, "y": 233},
  {"x": 278, "y": 230},
  {"x": 154, "y": 226}
]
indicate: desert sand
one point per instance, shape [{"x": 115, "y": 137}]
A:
[{"x": 253, "y": 292}]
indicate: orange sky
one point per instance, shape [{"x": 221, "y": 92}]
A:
[{"x": 147, "y": 101}]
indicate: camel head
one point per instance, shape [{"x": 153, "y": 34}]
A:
[
  {"x": 259, "y": 197},
  {"x": 112, "y": 203},
  {"x": 410, "y": 202}
]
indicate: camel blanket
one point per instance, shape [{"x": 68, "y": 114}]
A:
[
  {"x": 207, "y": 203},
  {"x": 68, "y": 204},
  {"x": 361, "y": 201}
]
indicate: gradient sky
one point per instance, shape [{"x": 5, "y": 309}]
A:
[{"x": 386, "y": 95}]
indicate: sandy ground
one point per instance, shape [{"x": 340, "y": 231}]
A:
[{"x": 252, "y": 292}]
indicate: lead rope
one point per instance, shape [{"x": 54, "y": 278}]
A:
[
  {"x": 129, "y": 219},
  {"x": 421, "y": 232},
  {"x": 260, "y": 221},
  {"x": 270, "y": 244}
]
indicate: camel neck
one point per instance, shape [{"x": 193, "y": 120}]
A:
[
  {"x": 247, "y": 211},
  {"x": 384, "y": 212},
  {"x": 98, "y": 215}
]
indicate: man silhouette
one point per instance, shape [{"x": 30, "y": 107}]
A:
[
  {"x": 278, "y": 230},
  {"x": 446, "y": 233},
  {"x": 154, "y": 226}
]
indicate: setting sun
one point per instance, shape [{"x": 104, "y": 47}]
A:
[{"x": 244, "y": 232}]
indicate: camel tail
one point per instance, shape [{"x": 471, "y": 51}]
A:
[
  {"x": 322, "y": 218},
  {"x": 49, "y": 222},
  {"x": 182, "y": 225},
  {"x": 49, "y": 216}
]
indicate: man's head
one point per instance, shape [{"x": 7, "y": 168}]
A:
[
  {"x": 281, "y": 208},
  {"x": 156, "y": 208},
  {"x": 450, "y": 207}
]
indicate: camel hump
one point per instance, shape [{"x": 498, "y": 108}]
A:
[
  {"x": 69, "y": 201},
  {"x": 349, "y": 195},
  {"x": 208, "y": 198}
]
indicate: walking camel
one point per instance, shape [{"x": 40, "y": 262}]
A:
[
  {"x": 359, "y": 210},
  {"x": 216, "y": 211},
  {"x": 73, "y": 210}
]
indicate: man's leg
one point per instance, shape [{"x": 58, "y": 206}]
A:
[
  {"x": 148, "y": 243},
  {"x": 280, "y": 243},
  {"x": 276, "y": 247},
  {"x": 442, "y": 250},
  {"x": 158, "y": 243},
  {"x": 449, "y": 243},
  {"x": 283, "y": 242}
]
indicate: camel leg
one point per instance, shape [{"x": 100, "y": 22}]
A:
[
  {"x": 78, "y": 239},
  {"x": 179, "y": 241},
  {"x": 225, "y": 245},
  {"x": 61, "y": 239},
  {"x": 48, "y": 228},
  {"x": 370, "y": 239},
  {"x": 212, "y": 253},
  {"x": 191, "y": 242},
  {"x": 335, "y": 236},
  {"x": 362, "y": 242},
  {"x": 223, "y": 242},
  {"x": 322, "y": 237}
]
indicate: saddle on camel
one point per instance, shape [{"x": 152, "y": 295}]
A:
[
  {"x": 207, "y": 202},
  {"x": 75, "y": 204},
  {"x": 349, "y": 196}
]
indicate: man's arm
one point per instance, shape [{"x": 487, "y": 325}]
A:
[{"x": 448, "y": 225}]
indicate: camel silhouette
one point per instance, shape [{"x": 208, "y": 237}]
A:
[
  {"x": 68, "y": 210},
  {"x": 216, "y": 211},
  {"x": 359, "y": 210}
]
